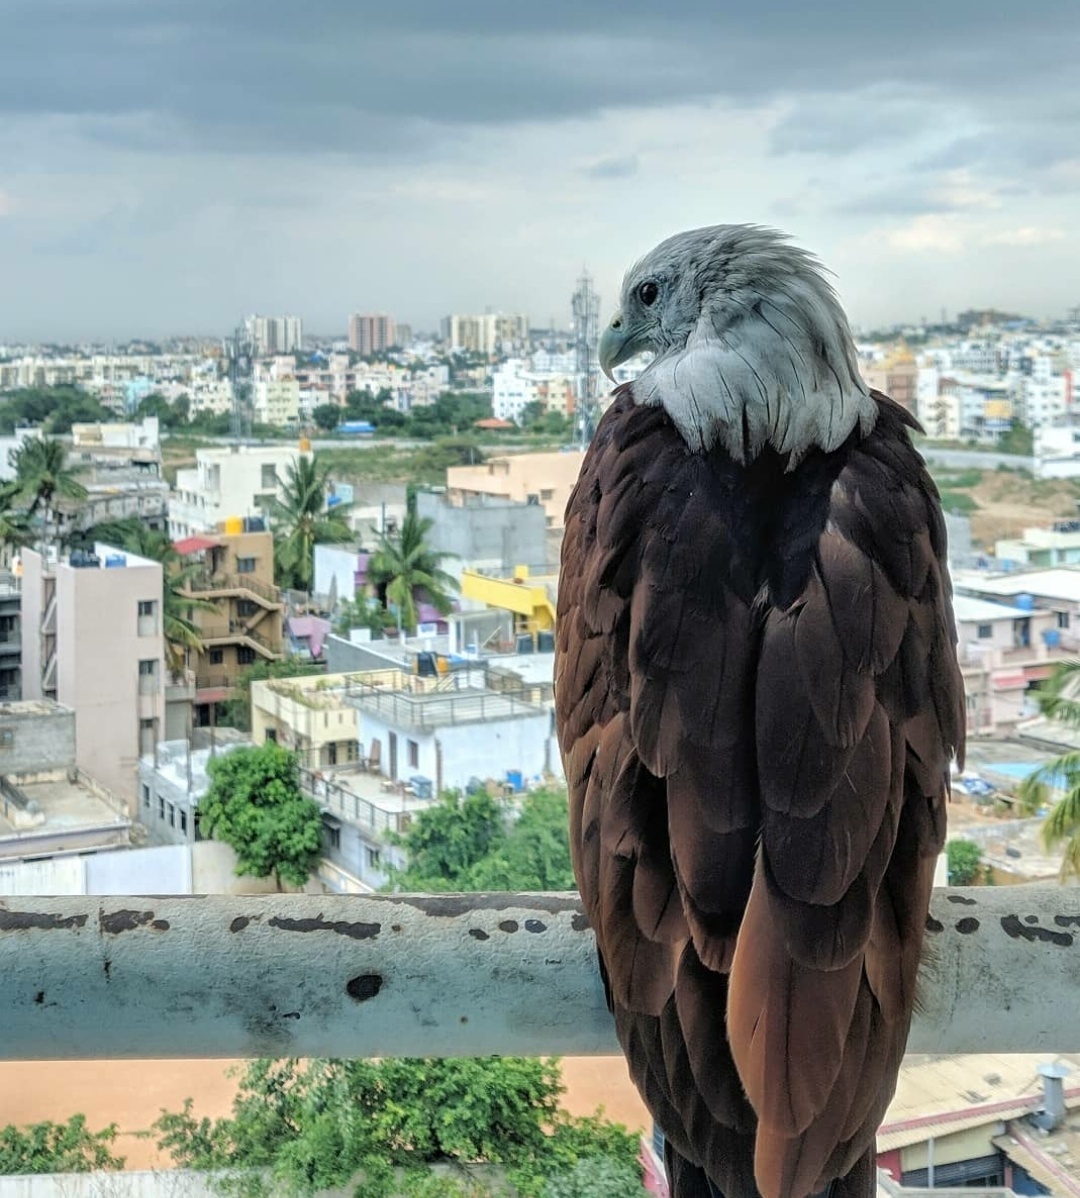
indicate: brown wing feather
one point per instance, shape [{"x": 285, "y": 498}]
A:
[
  {"x": 752, "y": 659},
  {"x": 822, "y": 984}
]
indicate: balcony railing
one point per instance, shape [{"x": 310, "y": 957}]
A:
[
  {"x": 207, "y": 584},
  {"x": 439, "y": 707},
  {"x": 447, "y": 975},
  {"x": 351, "y": 806}
]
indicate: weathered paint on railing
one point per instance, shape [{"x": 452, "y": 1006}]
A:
[{"x": 446, "y": 975}]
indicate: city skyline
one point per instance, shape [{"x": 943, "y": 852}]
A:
[{"x": 164, "y": 169}]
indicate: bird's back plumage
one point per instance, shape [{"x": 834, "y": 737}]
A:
[{"x": 757, "y": 698}]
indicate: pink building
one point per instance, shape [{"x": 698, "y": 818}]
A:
[{"x": 92, "y": 640}]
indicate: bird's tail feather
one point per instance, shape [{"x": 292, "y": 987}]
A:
[{"x": 686, "y": 1180}]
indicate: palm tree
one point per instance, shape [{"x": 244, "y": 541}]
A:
[
  {"x": 14, "y": 529},
  {"x": 181, "y": 633},
  {"x": 302, "y": 520},
  {"x": 44, "y": 478},
  {"x": 405, "y": 568},
  {"x": 1059, "y": 699}
]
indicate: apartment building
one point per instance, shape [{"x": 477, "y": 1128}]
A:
[
  {"x": 235, "y": 573},
  {"x": 10, "y": 638},
  {"x": 541, "y": 478},
  {"x": 92, "y": 640},
  {"x": 309, "y": 715},
  {"x": 371, "y": 334},
  {"x": 235, "y": 480}
]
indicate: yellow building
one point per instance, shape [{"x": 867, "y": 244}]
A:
[
  {"x": 543, "y": 478},
  {"x": 311, "y": 716}
]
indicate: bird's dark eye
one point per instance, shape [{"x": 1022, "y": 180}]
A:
[{"x": 647, "y": 293}]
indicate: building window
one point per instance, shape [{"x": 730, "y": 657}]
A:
[
  {"x": 373, "y": 857},
  {"x": 985, "y": 632},
  {"x": 7, "y": 738},
  {"x": 148, "y": 677},
  {"x": 269, "y": 477},
  {"x": 331, "y": 833},
  {"x": 1063, "y": 619},
  {"x": 245, "y": 655},
  {"x": 217, "y": 656},
  {"x": 147, "y": 607},
  {"x": 271, "y": 734},
  {"x": 246, "y": 607},
  {"x": 172, "y": 816},
  {"x": 245, "y": 565},
  {"x": 183, "y": 821},
  {"x": 414, "y": 754},
  {"x": 161, "y": 807},
  {"x": 146, "y": 796},
  {"x": 147, "y": 736},
  {"x": 546, "y": 493}
]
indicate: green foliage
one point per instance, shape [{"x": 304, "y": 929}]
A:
[
  {"x": 1019, "y": 439},
  {"x": 54, "y": 409},
  {"x": 327, "y": 416},
  {"x": 255, "y": 805},
  {"x": 318, "y": 1124},
  {"x": 405, "y": 570},
  {"x": 472, "y": 843},
  {"x": 170, "y": 413},
  {"x": 958, "y": 503},
  {"x": 963, "y": 858},
  {"x": 49, "y": 1147},
  {"x": 302, "y": 520},
  {"x": 596, "y": 1177},
  {"x": 1057, "y": 700}
]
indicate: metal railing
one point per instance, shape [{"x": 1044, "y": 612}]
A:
[
  {"x": 451, "y": 701},
  {"x": 351, "y": 806},
  {"x": 205, "y": 583},
  {"x": 447, "y": 975}
]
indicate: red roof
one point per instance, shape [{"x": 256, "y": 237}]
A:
[{"x": 195, "y": 544}]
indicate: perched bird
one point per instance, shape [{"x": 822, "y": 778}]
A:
[{"x": 757, "y": 698}]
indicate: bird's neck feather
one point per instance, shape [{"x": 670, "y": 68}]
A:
[{"x": 778, "y": 370}]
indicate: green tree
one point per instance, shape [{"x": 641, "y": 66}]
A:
[
  {"x": 49, "y": 1147},
  {"x": 963, "y": 857},
  {"x": 255, "y": 805},
  {"x": 14, "y": 526},
  {"x": 475, "y": 843},
  {"x": 404, "y": 570},
  {"x": 170, "y": 413},
  {"x": 1057, "y": 700},
  {"x": 315, "y": 1125},
  {"x": 302, "y": 521},
  {"x": 1019, "y": 439},
  {"x": 45, "y": 479},
  {"x": 327, "y": 416}
]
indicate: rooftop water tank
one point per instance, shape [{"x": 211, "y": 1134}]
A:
[
  {"x": 114, "y": 560},
  {"x": 1025, "y": 602},
  {"x": 234, "y": 525}
]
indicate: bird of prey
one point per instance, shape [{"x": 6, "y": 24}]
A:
[{"x": 757, "y": 698}]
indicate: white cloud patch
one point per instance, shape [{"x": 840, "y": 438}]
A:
[{"x": 1027, "y": 235}]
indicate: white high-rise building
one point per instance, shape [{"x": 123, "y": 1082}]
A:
[{"x": 275, "y": 334}]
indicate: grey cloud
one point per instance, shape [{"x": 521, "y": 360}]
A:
[
  {"x": 384, "y": 78},
  {"x": 614, "y": 168}
]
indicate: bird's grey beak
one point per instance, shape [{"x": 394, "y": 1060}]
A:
[{"x": 618, "y": 343}]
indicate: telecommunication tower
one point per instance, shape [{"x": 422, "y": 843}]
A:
[
  {"x": 240, "y": 354},
  {"x": 585, "y": 306}
]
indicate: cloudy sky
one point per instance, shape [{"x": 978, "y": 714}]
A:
[{"x": 171, "y": 165}]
